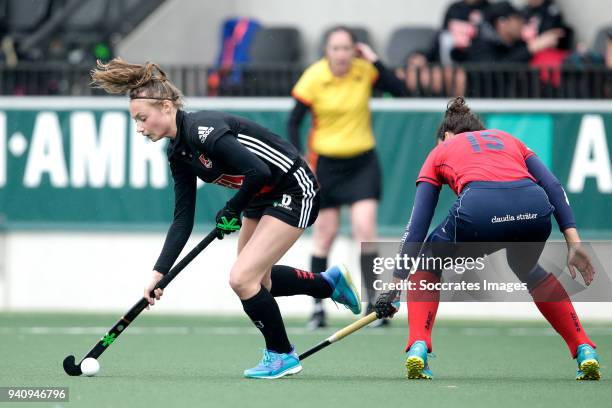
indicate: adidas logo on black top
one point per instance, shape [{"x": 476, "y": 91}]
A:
[{"x": 204, "y": 131}]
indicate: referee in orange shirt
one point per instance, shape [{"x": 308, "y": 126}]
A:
[{"x": 341, "y": 147}]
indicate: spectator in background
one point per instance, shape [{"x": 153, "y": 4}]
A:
[
  {"x": 8, "y": 53},
  {"x": 430, "y": 72},
  {"x": 585, "y": 62},
  {"x": 423, "y": 78},
  {"x": 461, "y": 21},
  {"x": 470, "y": 11},
  {"x": 544, "y": 15},
  {"x": 609, "y": 50},
  {"x": 501, "y": 41},
  {"x": 420, "y": 76},
  {"x": 608, "y": 63},
  {"x": 336, "y": 90}
]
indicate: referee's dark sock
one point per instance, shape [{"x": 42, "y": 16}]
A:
[
  {"x": 289, "y": 281},
  {"x": 318, "y": 264},
  {"x": 265, "y": 315},
  {"x": 366, "y": 262}
]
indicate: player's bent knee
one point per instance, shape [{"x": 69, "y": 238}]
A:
[
  {"x": 267, "y": 282},
  {"x": 244, "y": 288},
  {"x": 246, "y": 282}
]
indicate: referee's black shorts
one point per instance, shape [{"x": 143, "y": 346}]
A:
[
  {"x": 296, "y": 204},
  {"x": 345, "y": 181}
]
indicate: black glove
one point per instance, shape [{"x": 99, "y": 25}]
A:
[
  {"x": 227, "y": 221},
  {"x": 387, "y": 304}
]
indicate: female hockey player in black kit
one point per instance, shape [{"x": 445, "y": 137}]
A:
[{"x": 276, "y": 195}]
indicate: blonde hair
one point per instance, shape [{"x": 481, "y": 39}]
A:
[{"x": 146, "y": 81}]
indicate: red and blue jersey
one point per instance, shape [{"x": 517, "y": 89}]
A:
[{"x": 485, "y": 155}]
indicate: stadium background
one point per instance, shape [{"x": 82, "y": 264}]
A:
[
  {"x": 85, "y": 203},
  {"x": 190, "y": 21}
]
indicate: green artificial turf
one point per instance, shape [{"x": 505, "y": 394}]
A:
[{"x": 197, "y": 361}]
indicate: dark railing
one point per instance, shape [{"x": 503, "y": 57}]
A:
[
  {"x": 484, "y": 81},
  {"x": 493, "y": 81},
  {"x": 44, "y": 79}
]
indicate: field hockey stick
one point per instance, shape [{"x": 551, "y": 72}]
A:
[
  {"x": 340, "y": 334},
  {"x": 69, "y": 362}
]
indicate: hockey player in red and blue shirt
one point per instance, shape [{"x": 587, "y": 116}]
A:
[{"x": 497, "y": 180}]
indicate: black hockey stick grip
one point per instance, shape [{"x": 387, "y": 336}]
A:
[{"x": 70, "y": 366}]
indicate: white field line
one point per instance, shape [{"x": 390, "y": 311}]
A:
[{"x": 240, "y": 330}]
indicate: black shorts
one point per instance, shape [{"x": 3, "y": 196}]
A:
[
  {"x": 296, "y": 205},
  {"x": 345, "y": 181}
]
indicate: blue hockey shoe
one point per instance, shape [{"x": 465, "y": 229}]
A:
[
  {"x": 344, "y": 293},
  {"x": 275, "y": 365},
  {"x": 417, "y": 367},
  {"x": 588, "y": 363}
]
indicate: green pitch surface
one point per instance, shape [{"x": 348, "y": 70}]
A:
[{"x": 179, "y": 361}]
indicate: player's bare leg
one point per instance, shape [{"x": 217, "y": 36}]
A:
[{"x": 267, "y": 243}]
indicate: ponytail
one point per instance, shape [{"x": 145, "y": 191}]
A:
[{"x": 146, "y": 81}]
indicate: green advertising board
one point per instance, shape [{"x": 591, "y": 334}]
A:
[{"x": 79, "y": 163}]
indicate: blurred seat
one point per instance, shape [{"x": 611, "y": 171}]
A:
[
  {"x": 119, "y": 10},
  {"x": 405, "y": 40},
  {"x": 276, "y": 45},
  {"x": 90, "y": 15},
  {"x": 24, "y": 16},
  {"x": 601, "y": 39},
  {"x": 87, "y": 23}
]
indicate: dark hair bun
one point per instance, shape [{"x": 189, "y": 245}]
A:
[
  {"x": 458, "y": 118},
  {"x": 457, "y": 106}
]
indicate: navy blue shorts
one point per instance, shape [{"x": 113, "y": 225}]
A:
[
  {"x": 489, "y": 211},
  {"x": 496, "y": 213}
]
